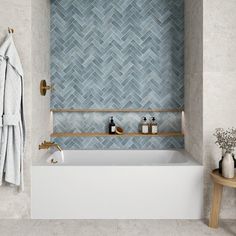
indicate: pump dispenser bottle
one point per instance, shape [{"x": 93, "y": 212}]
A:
[
  {"x": 153, "y": 126},
  {"x": 144, "y": 126}
]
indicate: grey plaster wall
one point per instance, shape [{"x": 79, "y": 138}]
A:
[
  {"x": 17, "y": 14},
  {"x": 30, "y": 19},
  {"x": 210, "y": 86},
  {"x": 219, "y": 88}
]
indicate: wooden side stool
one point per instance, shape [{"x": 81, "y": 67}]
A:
[{"x": 219, "y": 182}]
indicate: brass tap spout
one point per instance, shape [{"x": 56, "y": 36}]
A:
[{"x": 47, "y": 145}]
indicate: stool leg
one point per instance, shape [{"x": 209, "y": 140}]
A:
[{"x": 216, "y": 201}]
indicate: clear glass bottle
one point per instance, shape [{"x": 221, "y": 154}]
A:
[
  {"x": 153, "y": 126},
  {"x": 144, "y": 126}
]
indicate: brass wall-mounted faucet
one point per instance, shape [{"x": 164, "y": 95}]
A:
[
  {"x": 44, "y": 87},
  {"x": 47, "y": 145}
]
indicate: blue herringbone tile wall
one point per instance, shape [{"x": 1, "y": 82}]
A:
[
  {"x": 117, "y": 54},
  {"x": 114, "y": 143}
]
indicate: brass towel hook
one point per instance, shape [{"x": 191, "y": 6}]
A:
[
  {"x": 10, "y": 30},
  {"x": 44, "y": 87}
]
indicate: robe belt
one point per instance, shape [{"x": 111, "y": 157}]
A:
[{"x": 10, "y": 119}]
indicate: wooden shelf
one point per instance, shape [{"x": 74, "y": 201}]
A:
[
  {"x": 117, "y": 110},
  {"x": 161, "y": 134}
]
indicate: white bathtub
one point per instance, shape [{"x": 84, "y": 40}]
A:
[{"x": 160, "y": 184}]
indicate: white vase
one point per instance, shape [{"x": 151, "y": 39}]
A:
[{"x": 228, "y": 166}]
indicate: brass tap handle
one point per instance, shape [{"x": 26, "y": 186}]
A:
[{"x": 47, "y": 87}]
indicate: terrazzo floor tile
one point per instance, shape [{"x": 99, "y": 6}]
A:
[{"x": 114, "y": 228}]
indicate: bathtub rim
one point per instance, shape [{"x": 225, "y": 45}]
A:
[{"x": 186, "y": 155}]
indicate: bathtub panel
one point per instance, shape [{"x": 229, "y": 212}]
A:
[{"x": 117, "y": 192}]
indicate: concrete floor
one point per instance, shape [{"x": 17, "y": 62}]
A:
[{"x": 114, "y": 227}]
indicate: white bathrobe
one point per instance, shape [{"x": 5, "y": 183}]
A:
[{"x": 12, "y": 130}]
